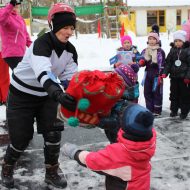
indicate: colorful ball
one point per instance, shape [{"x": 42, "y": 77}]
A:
[
  {"x": 83, "y": 104},
  {"x": 73, "y": 122}
]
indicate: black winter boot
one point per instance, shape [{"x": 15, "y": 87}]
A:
[
  {"x": 183, "y": 116},
  {"x": 53, "y": 178},
  {"x": 7, "y": 175},
  {"x": 173, "y": 114}
]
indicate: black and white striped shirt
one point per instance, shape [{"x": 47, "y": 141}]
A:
[{"x": 45, "y": 55}]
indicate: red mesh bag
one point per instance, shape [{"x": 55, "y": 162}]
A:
[{"x": 102, "y": 90}]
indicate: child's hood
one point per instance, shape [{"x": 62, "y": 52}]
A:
[{"x": 139, "y": 150}]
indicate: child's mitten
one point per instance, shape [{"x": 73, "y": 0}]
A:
[{"x": 69, "y": 150}]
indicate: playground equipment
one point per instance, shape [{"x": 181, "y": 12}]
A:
[{"x": 113, "y": 16}]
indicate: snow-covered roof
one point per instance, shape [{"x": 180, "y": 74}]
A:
[{"x": 157, "y": 3}]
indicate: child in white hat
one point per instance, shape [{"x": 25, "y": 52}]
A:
[{"x": 178, "y": 67}]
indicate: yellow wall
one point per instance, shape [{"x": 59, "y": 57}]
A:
[
  {"x": 178, "y": 27},
  {"x": 129, "y": 22},
  {"x": 28, "y": 26}
]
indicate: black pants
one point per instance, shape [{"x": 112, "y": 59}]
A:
[
  {"x": 115, "y": 183},
  {"x": 111, "y": 182},
  {"x": 22, "y": 111},
  {"x": 179, "y": 96},
  {"x": 13, "y": 61}
]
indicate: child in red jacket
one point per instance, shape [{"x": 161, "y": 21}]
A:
[{"x": 126, "y": 163}]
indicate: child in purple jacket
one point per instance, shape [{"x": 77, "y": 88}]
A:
[{"x": 154, "y": 59}]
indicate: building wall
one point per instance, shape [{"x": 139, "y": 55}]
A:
[
  {"x": 184, "y": 13},
  {"x": 141, "y": 22},
  {"x": 170, "y": 19},
  {"x": 171, "y": 23}
]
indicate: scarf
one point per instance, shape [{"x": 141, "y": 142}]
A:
[{"x": 151, "y": 53}]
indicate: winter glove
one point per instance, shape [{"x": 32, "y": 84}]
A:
[
  {"x": 141, "y": 62},
  {"x": 65, "y": 100},
  {"x": 186, "y": 81},
  {"x": 163, "y": 76},
  {"x": 55, "y": 92},
  {"x": 69, "y": 150}
]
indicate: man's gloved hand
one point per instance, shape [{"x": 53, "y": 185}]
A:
[
  {"x": 65, "y": 100},
  {"x": 69, "y": 150},
  {"x": 163, "y": 76},
  {"x": 55, "y": 92},
  {"x": 186, "y": 81}
]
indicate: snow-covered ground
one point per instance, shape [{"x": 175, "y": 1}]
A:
[{"x": 170, "y": 165}]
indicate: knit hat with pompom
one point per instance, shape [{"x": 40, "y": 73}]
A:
[
  {"x": 128, "y": 73},
  {"x": 137, "y": 123}
]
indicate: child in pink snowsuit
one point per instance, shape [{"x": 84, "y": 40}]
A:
[{"x": 126, "y": 164}]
